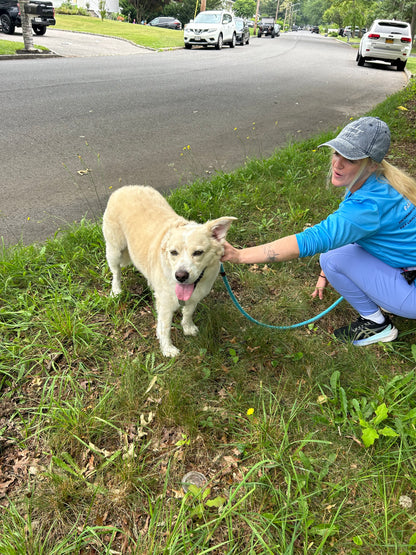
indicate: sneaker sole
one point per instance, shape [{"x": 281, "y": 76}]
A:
[{"x": 389, "y": 334}]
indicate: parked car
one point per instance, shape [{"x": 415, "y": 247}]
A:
[
  {"x": 268, "y": 27},
  {"x": 211, "y": 28},
  {"x": 166, "y": 22},
  {"x": 42, "y": 14},
  {"x": 242, "y": 31},
  {"x": 388, "y": 41},
  {"x": 348, "y": 30},
  {"x": 315, "y": 29}
]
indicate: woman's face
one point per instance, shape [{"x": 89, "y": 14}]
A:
[{"x": 345, "y": 171}]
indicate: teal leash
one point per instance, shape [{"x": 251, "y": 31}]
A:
[{"x": 240, "y": 308}]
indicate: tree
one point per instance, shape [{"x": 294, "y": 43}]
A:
[
  {"x": 313, "y": 10},
  {"x": 188, "y": 9},
  {"x": 245, "y": 8},
  {"x": 146, "y": 8},
  {"x": 26, "y": 26}
]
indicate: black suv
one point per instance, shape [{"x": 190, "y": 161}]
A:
[{"x": 42, "y": 14}]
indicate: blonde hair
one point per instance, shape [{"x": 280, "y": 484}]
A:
[{"x": 399, "y": 180}]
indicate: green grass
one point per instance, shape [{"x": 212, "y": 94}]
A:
[
  {"x": 144, "y": 35},
  {"x": 8, "y": 47},
  {"x": 97, "y": 429}
]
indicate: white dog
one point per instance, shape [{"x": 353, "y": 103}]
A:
[{"x": 180, "y": 259}]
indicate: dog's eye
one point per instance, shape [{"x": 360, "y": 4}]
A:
[
  {"x": 198, "y": 253},
  {"x": 174, "y": 253}
]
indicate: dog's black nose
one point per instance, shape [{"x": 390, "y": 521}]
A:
[{"x": 181, "y": 276}]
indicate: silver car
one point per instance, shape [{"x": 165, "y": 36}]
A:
[
  {"x": 211, "y": 27},
  {"x": 387, "y": 41}
]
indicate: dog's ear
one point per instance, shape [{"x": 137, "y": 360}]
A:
[{"x": 218, "y": 228}]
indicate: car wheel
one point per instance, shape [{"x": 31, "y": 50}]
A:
[
  {"x": 273, "y": 35},
  {"x": 361, "y": 60},
  {"x": 400, "y": 65},
  {"x": 233, "y": 40},
  {"x": 188, "y": 46},
  {"x": 39, "y": 29},
  {"x": 220, "y": 41},
  {"x": 259, "y": 34},
  {"x": 248, "y": 40},
  {"x": 6, "y": 24}
]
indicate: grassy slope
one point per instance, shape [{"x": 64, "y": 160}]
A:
[
  {"x": 97, "y": 429},
  {"x": 144, "y": 35}
]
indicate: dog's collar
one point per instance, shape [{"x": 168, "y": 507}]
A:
[{"x": 201, "y": 275}]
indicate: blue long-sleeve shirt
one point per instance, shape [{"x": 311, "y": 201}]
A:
[{"x": 376, "y": 217}]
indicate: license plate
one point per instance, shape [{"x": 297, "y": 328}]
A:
[
  {"x": 197, "y": 38},
  {"x": 389, "y": 41}
]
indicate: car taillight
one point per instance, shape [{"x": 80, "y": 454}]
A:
[
  {"x": 405, "y": 39},
  {"x": 373, "y": 36}
]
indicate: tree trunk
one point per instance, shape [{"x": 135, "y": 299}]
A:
[{"x": 26, "y": 26}]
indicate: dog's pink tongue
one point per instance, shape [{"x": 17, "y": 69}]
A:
[{"x": 184, "y": 291}]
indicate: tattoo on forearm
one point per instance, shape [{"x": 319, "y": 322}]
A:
[{"x": 272, "y": 255}]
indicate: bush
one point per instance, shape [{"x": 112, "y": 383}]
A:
[{"x": 66, "y": 8}]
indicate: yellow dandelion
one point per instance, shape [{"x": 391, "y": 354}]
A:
[
  {"x": 28, "y": 218},
  {"x": 250, "y": 412},
  {"x": 235, "y": 128}
]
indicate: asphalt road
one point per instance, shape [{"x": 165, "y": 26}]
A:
[{"x": 77, "y": 127}]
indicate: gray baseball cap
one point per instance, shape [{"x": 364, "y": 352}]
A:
[{"x": 366, "y": 137}]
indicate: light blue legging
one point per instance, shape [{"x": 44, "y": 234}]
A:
[{"x": 367, "y": 283}]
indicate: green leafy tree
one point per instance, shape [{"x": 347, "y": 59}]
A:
[
  {"x": 245, "y": 8},
  {"x": 142, "y": 10},
  {"x": 313, "y": 10},
  {"x": 188, "y": 9}
]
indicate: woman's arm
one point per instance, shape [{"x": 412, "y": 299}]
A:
[{"x": 280, "y": 250}]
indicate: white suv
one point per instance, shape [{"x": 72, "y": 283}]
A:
[
  {"x": 386, "y": 40},
  {"x": 211, "y": 28}
]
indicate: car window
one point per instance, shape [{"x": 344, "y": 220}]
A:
[
  {"x": 226, "y": 18},
  {"x": 204, "y": 17},
  {"x": 238, "y": 24},
  {"x": 393, "y": 28}
]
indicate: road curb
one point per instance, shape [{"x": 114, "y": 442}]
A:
[{"x": 29, "y": 56}]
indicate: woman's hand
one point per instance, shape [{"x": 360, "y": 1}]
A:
[
  {"x": 231, "y": 254},
  {"x": 320, "y": 286}
]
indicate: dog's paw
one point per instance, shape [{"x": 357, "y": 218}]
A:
[
  {"x": 190, "y": 329},
  {"x": 115, "y": 291},
  {"x": 170, "y": 351}
]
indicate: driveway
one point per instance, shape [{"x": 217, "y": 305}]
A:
[{"x": 80, "y": 45}]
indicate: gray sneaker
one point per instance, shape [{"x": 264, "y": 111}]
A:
[{"x": 364, "y": 332}]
